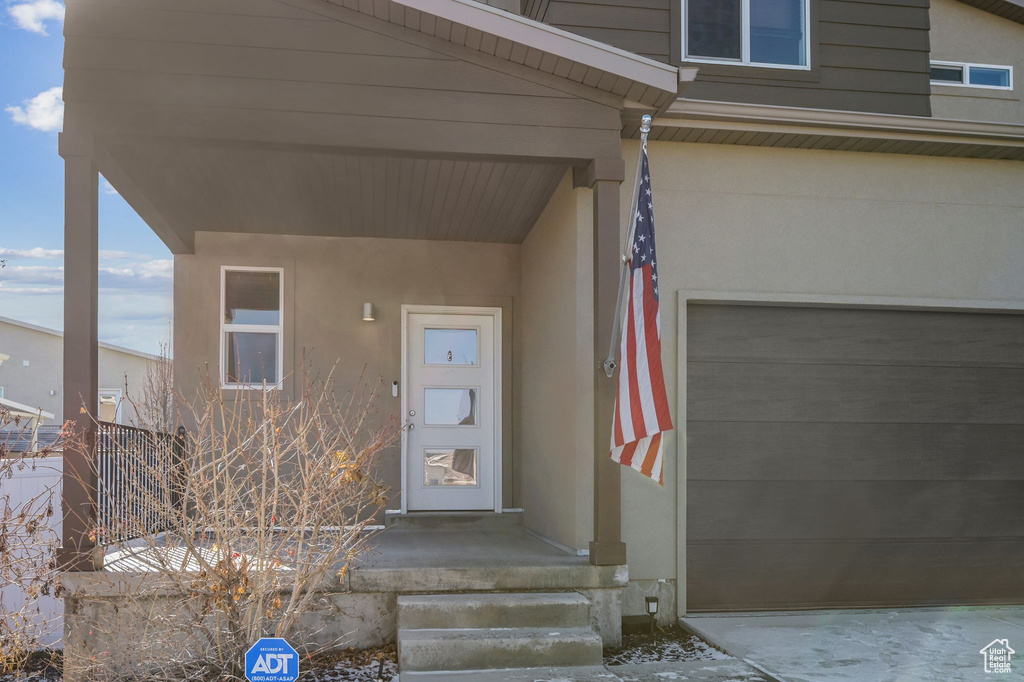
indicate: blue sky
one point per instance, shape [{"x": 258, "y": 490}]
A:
[{"x": 135, "y": 266}]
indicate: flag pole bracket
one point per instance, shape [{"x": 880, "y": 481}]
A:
[{"x": 610, "y": 364}]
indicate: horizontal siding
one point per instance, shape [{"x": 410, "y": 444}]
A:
[
  {"x": 642, "y": 27},
  {"x": 868, "y": 55},
  {"x": 262, "y": 71}
]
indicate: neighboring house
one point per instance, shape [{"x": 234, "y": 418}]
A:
[
  {"x": 31, "y": 367},
  {"x": 840, "y": 231}
]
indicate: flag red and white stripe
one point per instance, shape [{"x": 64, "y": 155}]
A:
[{"x": 641, "y": 405}]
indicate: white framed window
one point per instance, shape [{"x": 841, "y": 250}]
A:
[
  {"x": 772, "y": 33},
  {"x": 251, "y": 326},
  {"x": 967, "y": 75}
]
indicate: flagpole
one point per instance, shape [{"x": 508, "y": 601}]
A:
[{"x": 609, "y": 363}]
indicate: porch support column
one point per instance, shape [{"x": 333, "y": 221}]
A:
[
  {"x": 605, "y": 176},
  {"x": 81, "y": 363}
]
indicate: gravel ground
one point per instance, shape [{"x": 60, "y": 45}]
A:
[
  {"x": 345, "y": 666},
  {"x": 669, "y": 645},
  {"x": 352, "y": 666},
  {"x": 672, "y": 644}
]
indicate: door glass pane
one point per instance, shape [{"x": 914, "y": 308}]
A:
[
  {"x": 777, "y": 32},
  {"x": 713, "y": 29},
  {"x": 449, "y": 346},
  {"x": 252, "y": 297},
  {"x": 996, "y": 78},
  {"x": 251, "y": 357},
  {"x": 451, "y": 466},
  {"x": 449, "y": 406},
  {"x": 947, "y": 74}
]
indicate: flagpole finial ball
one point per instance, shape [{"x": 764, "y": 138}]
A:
[{"x": 645, "y": 124}]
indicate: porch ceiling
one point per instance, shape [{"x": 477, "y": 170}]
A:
[{"x": 272, "y": 191}]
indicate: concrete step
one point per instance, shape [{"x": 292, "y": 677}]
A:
[
  {"x": 455, "y": 520},
  {"x": 507, "y": 610},
  {"x": 497, "y": 648},
  {"x": 590, "y": 673}
]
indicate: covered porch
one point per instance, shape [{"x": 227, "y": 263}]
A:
[{"x": 399, "y": 153}]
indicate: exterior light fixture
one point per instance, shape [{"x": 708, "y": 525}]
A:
[
  {"x": 368, "y": 312},
  {"x": 651, "y": 603}
]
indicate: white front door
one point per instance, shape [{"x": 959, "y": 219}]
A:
[{"x": 452, "y": 443}]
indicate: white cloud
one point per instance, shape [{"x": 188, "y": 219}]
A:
[
  {"x": 107, "y": 187},
  {"x": 37, "y": 252},
  {"x": 31, "y": 291},
  {"x": 135, "y": 293},
  {"x": 33, "y": 14},
  {"x": 43, "y": 112},
  {"x": 32, "y": 274},
  {"x": 146, "y": 275}
]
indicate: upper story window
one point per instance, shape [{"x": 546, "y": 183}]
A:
[
  {"x": 753, "y": 32},
  {"x": 972, "y": 75},
  {"x": 252, "y": 324}
]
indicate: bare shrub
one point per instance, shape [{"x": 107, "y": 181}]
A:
[
  {"x": 157, "y": 403},
  {"x": 29, "y": 501},
  {"x": 237, "y": 532}
]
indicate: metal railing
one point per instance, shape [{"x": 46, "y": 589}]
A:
[{"x": 140, "y": 478}]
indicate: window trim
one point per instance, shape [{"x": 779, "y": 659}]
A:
[
  {"x": 277, "y": 329},
  {"x": 744, "y": 60},
  {"x": 966, "y": 70}
]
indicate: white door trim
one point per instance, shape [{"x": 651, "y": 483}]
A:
[{"x": 408, "y": 309}]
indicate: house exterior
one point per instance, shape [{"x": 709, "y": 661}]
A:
[
  {"x": 30, "y": 371},
  {"x": 840, "y": 221}
]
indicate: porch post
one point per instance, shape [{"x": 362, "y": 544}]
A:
[
  {"x": 605, "y": 176},
  {"x": 81, "y": 291}
]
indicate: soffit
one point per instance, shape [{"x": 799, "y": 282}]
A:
[{"x": 280, "y": 191}]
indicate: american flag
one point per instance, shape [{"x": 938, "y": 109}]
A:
[{"x": 641, "y": 404}]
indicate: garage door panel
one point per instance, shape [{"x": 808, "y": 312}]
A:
[
  {"x": 801, "y": 575},
  {"x": 845, "y": 393},
  {"x": 845, "y": 336},
  {"x": 841, "y": 457},
  {"x": 754, "y": 451},
  {"x": 828, "y": 510}
]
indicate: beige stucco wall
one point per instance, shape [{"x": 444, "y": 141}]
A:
[
  {"x": 557, "y": 444},
  {"x": 815, "y": 223},
  {"x": 43, "y": 350},
  {"x": 757, "y": 222},
  {"x": 326, "y": 282},
  {"x": 962, "y": 33}
]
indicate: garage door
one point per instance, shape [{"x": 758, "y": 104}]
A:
[{"x": 841, "y": 457}]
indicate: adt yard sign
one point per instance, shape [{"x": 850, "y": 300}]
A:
[{"x": 271, "y": 660}]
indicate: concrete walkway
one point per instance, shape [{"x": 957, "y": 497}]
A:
[
  {"x": 911, "y": 645},
  {"x": 724, "y": 670}
]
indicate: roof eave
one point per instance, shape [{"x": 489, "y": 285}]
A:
[{"x": 552, "y": 40}]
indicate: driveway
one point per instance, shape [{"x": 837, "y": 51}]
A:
[{"x": 905, "y": 645}]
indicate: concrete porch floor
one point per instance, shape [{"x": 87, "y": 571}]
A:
[
  {"x": 463, "y": 553},
  {"x": 880, "y": 645}
]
